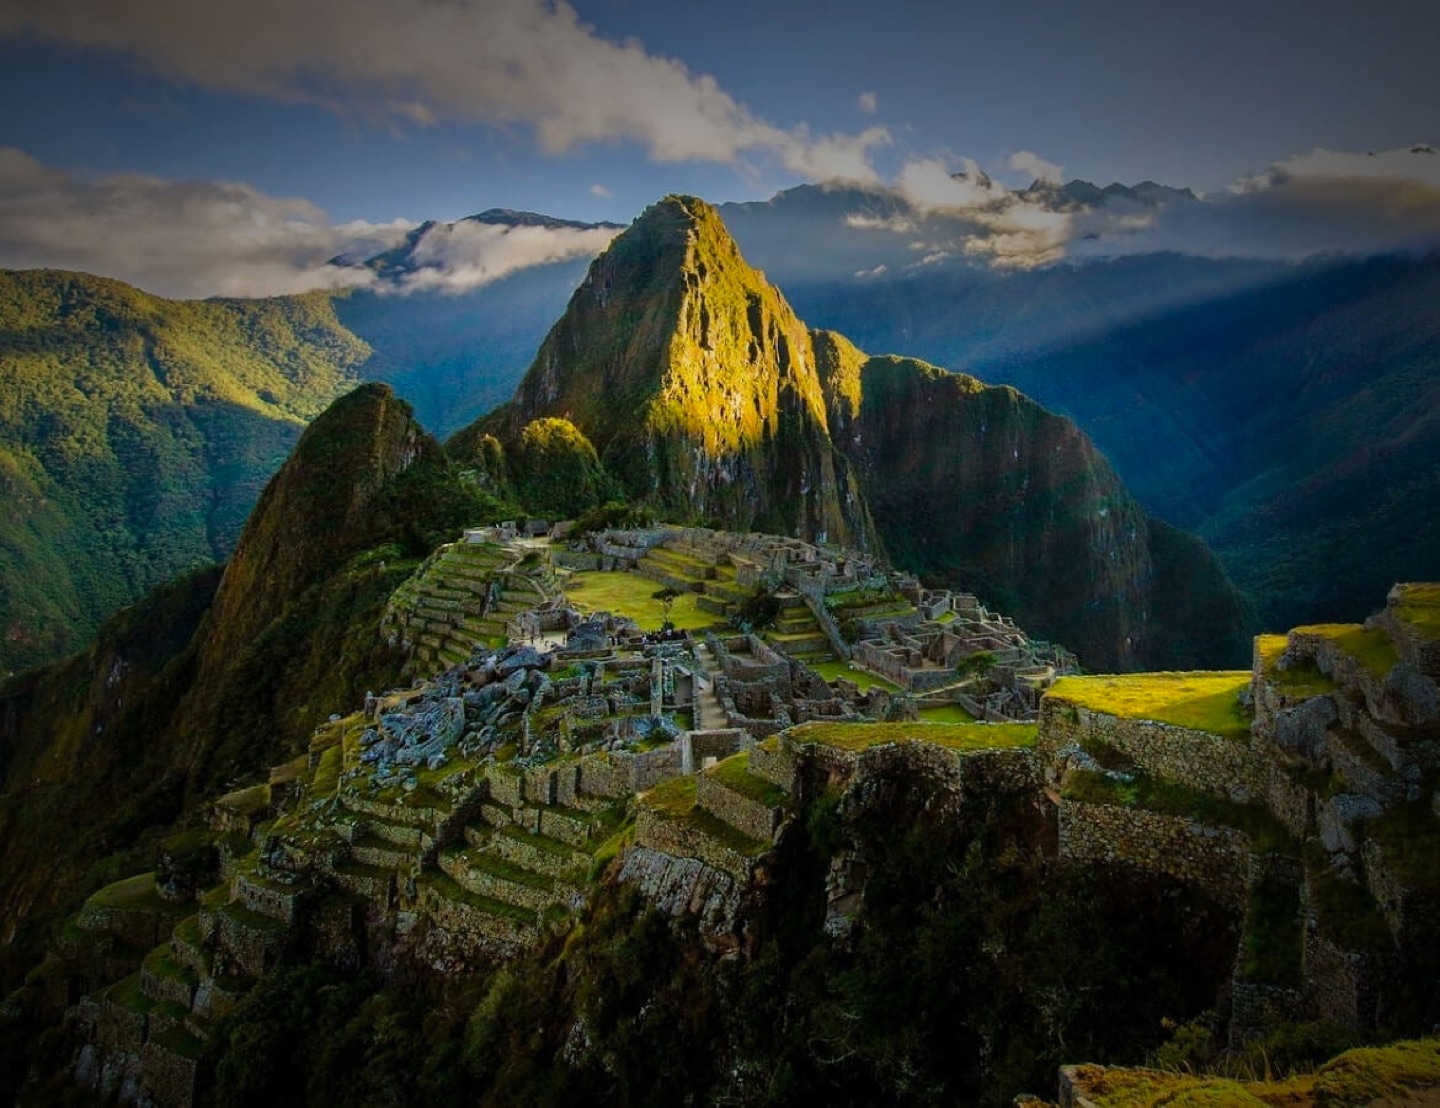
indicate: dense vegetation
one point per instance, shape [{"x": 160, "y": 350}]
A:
[
  {"x": 211, "y": 679},
  {"x": 135, "y": 436}
]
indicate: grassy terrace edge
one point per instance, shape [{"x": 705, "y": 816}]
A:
[
  {"x": 1199, "y": 700},
  {"x": 857, "y": 737}
]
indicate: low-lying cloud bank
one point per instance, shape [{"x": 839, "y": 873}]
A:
[
  {"x": 458, "y": 257},
  {"x": 213, "y": 238},
  {"x": 210, "y": 238},
  {"x": 1324, "y": 202}
]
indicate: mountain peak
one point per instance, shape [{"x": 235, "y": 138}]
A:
[{"x": 693, "y": 379}]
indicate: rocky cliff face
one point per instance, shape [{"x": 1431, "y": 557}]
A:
[
  {"x": 695, "y": 382},
  {"x": 705, "y": 396},
  {"x": 981, "y": 486}
]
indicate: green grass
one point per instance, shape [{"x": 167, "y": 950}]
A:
[
  {"x": 1136, "y": 1088},
  {"x": 946, "y": 713},
  {"x": 860, "y": 598},
  {"x": 633, "y": 596},
  {"x": 162, "y": 963},
  {"x": 671, "y": 798},
  {"x": 129, "y": 995},
  {"x": 1419, "y": 606},
  {"x": 188, "y": 930},
  {"x": 1266, "y": 834},
  {"x": 862, "y": 679},
  {"x": 451, "y": 890},
  {"x": 504, "y": 869},
  {"x": 734, "y": 773},
  {"x": 1201, "y": 701},
  {"x": 953, "y": 736},
  {"x": 1298, "y": 681},
  {"x": 1380, "y": 1074},
  {"x": 611, "y": 848},
  {"x": 1270, "y": 647},
  {"x": 1401, "y": 1073},
  {"x": 179, "y": 1041},
  {"x": 1372, "y": 649},
  {"x": 137, "y": 894},
  {"x": 247, "y": 801}
]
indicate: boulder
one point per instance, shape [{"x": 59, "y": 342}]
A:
[{"x": 1338, "y": 817}]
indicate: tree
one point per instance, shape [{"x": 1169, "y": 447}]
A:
[
  {"x": 667, "y": 597},
  {"x": 977, "y": 665}
]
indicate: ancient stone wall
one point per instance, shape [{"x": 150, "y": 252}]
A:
[
  {"x": 1413, "y": 914},
  {"x": 1000, "y": 772},
  {"x": 1226, "y": 767},
  {"x": 475, "y": 930},
  {"x": 169, "y": 1077},
  {"x": 267, "y": 900},
  {"x": 1215, "y": 859},
  {"x": 1257, "y": 1008},
  {"x": 682, "y": 839},
  {"x": 740, "y": 812},
  {"x": 686, "y": 886},
  {"x": 777, "y": 765},
  {"x": 1343, "y": 985}
]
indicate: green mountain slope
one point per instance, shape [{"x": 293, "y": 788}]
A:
[
  {"x": 702, "y": 394},
  {"x": 215, "y": 676},
  {"x": 135, "y": 435}
]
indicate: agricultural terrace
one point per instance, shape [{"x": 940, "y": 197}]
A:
[
  {"x": 857, "y": 737},
  {"x": 1202, "y": 700},
  {"x": 1419, "y": 606},
  {"x": 1298, "y": 681},
  {"x": 1372, "y": 649}
]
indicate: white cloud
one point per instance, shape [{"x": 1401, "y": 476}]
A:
[
  {"x": 1419, "y": 164},
  {"x": 899, "y": 224},
  {"x": 837, "y": 157},
  {"x": 176, "y": 238},
  {"x": 875, "y": 271},
  {"x": 868, "y": 103},
  {"x": 1323, "y": 202},
  {"x": 929, "y": 185},
  {"x": 1027, "y": 161},
  {"x": 457, "y": 257},
  {"x": 969, "y": 213},
  {"x": 600, "y": 191},
  {"x": 530, "y": 63}
]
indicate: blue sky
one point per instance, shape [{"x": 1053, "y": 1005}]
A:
[{"x": 384, "y": 110}]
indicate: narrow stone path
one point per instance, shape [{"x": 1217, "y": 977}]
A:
[{"x": 709, "y": 715}]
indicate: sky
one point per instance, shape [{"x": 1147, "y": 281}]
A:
[{"x": 233, "y": 146}]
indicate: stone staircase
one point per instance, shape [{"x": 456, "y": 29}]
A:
[
  {"x": 709, "y": 712},
  {"x": 676, "y": 569},
  {"x": 797, "y": 633}
]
